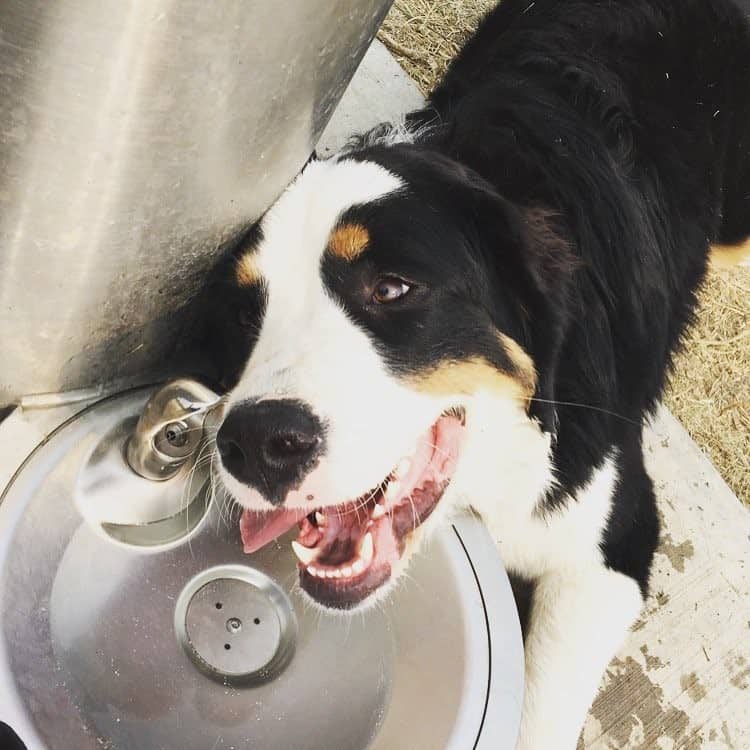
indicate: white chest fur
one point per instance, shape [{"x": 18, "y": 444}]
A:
[{"x": 505, "y": 469}]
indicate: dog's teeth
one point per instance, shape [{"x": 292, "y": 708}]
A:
[
  {"x": 347, "y": 571},
  {"x": 358, "y": 566},
  {"x": 403, "y": 468},
  {"x": 336, "y": 573},
  {"x": 320, "y": 519},
  {"x": 313, "y": 571},
  {"x": 330, "y": 574},
  {"x": 304, "y": 554},
  {"x": 392, "y": 491},
  {"x": 378, "y": 511},
  {"x": 366, "y": 549}
]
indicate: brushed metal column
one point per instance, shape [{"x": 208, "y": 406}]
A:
[{"x": 137, "y": 138}]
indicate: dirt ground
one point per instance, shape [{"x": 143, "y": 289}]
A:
[{"x": 710, "y": 388}]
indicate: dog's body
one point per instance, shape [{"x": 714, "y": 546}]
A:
[{"x": 509, "y": 274}]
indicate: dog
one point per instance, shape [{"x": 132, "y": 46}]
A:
[{"x": 478, "y": 308}]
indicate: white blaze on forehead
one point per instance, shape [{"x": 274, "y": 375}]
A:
[
  {"x": 297, "y": 228},
  {"x": 300, "y": 318},
  {"x": 309, "y": 349}
]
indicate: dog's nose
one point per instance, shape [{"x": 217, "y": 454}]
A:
[{"x": 270, "y": 445}]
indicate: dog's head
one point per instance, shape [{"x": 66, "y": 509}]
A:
[{"x": 379, "y": 322}]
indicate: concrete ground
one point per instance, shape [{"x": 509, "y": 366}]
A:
[{"x": 682, "y": 680}]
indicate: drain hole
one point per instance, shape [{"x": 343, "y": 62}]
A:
[
  {"x": 219, "y": 605},
  {"x": 256, "y": 621},
  {"x": 227, "y": 647}
]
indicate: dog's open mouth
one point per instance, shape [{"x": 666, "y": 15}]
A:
[{"x": 348, "y": 550}]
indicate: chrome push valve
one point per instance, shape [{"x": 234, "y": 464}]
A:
[{"x": 171, "y": 429}]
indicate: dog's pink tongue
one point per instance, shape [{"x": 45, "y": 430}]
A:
[{"x": 260, "y": 528}]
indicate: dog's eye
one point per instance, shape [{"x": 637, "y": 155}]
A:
[{"x": 389, "y": 289}]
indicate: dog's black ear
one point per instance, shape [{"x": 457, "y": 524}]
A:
[
  {"x": 223, "y": 344},
  {"x": 549, "y": 252},
  {"x": 534, "y": 237},
  {"x": 533, "y": 260},
  {"x": 552, "y": 261}
]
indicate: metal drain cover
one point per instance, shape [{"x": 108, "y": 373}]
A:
[{"x": 236, "y": 624}]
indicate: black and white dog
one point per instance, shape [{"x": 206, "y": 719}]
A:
[{"x": 478, "y": 308}]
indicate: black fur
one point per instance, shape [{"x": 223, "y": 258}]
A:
[
  {"x": 233, "y": 316},
  {"x": 616, "y": 132},
  {"x": 564, "y": 184},
  {"x": 442, "y": 237},
  {"x": 9, "y": 739}
]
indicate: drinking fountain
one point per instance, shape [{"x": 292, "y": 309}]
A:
[
  {"x": 130, "y": 617},
  {"x": 139, "y": 141}
]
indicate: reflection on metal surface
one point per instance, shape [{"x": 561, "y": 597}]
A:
[
  {"x": 146, "y": 482},
  {"x": 163, "y": 531},
  {"x": 89, "y": 657},
  {"x": 136, "y": 138},
  {"x": 170, "y": 430},
  {"x": 125, "y": 505}
]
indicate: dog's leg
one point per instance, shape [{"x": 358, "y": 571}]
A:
[{"x": 579, "y": 618}]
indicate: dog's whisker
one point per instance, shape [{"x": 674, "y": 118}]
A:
[{"x": 578, "y": 405}]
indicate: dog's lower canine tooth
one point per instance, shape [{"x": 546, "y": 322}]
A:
[
  {"x": 366, "y": 549},
  {"x": 378, "y": 511},
  {"x": 358, "y": 567},
  {"x": 403, "y": 468},
  {"x": 304, "y": 554},
  {"x": 346, "y": 572},
  {"x": 392, "y": 491},
  {"x": 320, "y": 519}
]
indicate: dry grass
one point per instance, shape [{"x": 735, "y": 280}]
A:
[
  {"x": 710, "y": 391},
  {"x": 425, "y": 35}
]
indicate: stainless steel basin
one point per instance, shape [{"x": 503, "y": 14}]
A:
[{"x": 139, "y": 642}]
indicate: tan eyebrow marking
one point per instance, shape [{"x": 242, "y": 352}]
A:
[
  {"x": 247, "y": 270},
  {"x": 349, "y": 241}
]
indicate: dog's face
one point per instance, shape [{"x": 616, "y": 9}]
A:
[{"x": 376, "y": 321}]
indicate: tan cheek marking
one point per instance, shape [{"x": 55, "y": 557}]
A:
[
  {"x": 525, "y": 371},
  {"x": 349, "y": 241},
  {"x": 247, "y": 270},
  {"x": 468, "y": 377},
  {"x": 727, "y": 256}
]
